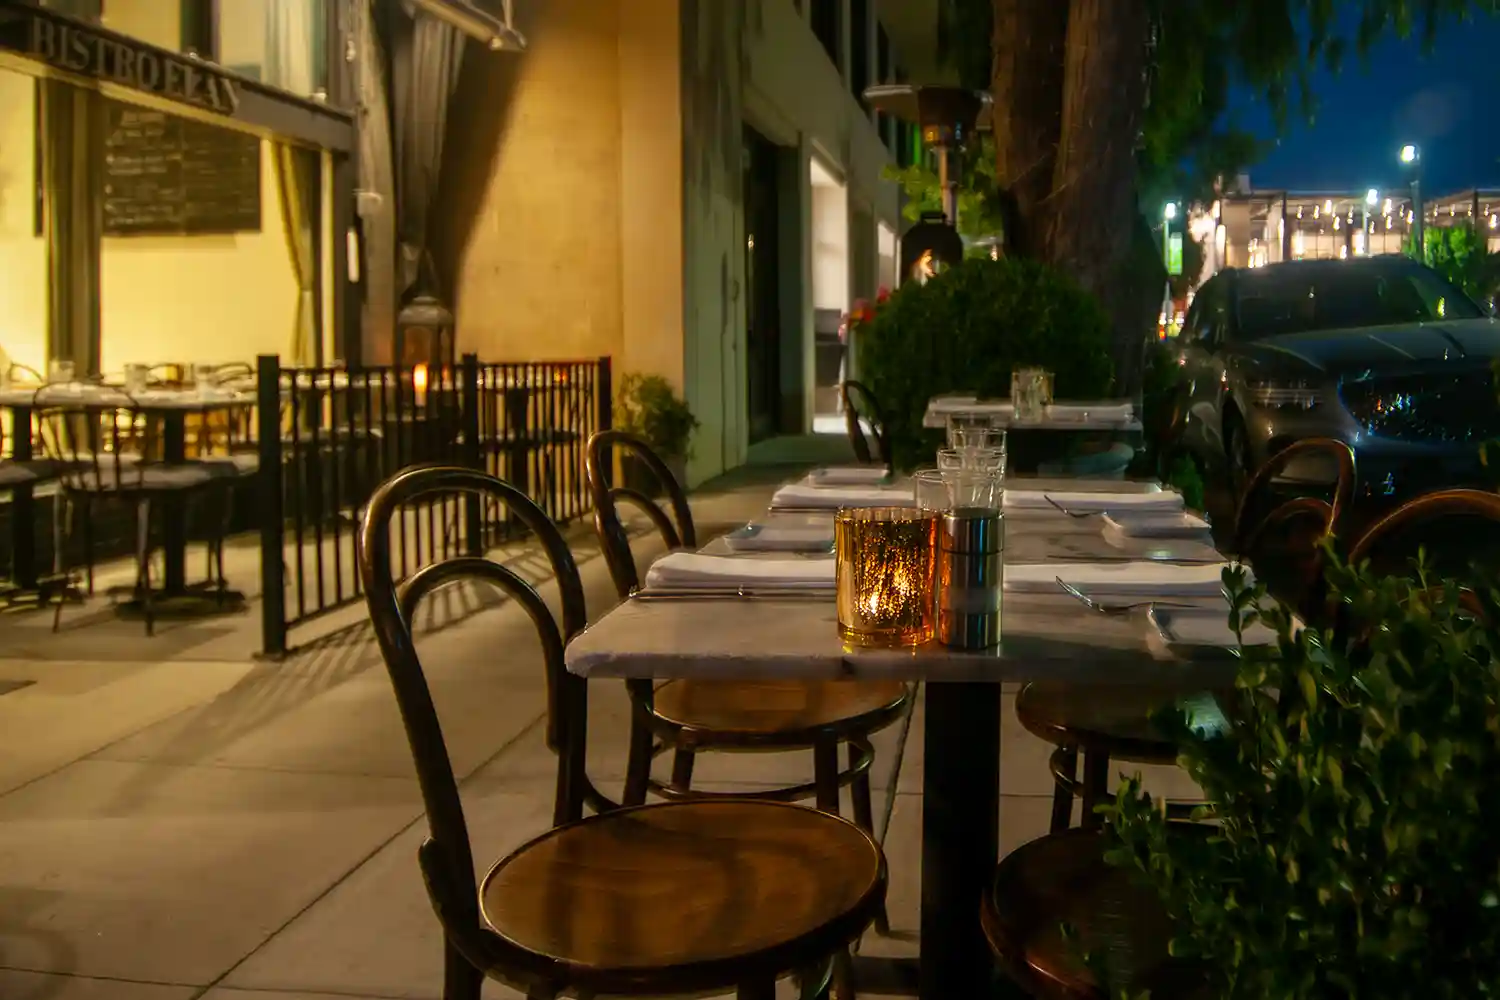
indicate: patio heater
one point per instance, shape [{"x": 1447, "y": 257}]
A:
[{"x": 945, "y": 116}]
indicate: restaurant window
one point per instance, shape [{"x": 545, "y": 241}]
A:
[
  {"x": 23, "y": 249},
  {"x": 281, "y": 43},
  {"x": 827, "y": 24},
  {"x": 130, "y": 234}
]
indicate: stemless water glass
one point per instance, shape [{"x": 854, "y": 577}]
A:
[
  {"x": 60, "y": 372},
  {"x": 1030, "y": 393},
  {"x": 972, "y": 430},
  {"x": 204, "y": 378},
  {"x": 931, "y": 492}
]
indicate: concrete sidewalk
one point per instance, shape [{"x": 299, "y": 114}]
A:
[{"x": 181, "y": 828}]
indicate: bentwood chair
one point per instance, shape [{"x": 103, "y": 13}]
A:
[
  {"x": 688, "y": 717},
  {"x": 110, "y": 454},
  {"x": 1115, "y": 724},
  {"x": 1062, "y": 880},
  {"x": 861, "y": 408},
  {"x": 671, "y": 898}
]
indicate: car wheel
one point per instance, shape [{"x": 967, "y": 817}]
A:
[{"x": 1237, "y": 453}]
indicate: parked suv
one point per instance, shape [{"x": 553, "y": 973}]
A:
[{"x": 1380, "y": 352}]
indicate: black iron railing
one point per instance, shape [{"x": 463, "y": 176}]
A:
[{"x": 326, "y": 437}]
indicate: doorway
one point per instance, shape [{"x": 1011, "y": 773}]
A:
[{"x": 763, "y": 298}]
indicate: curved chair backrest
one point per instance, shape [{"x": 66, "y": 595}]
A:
[
  {"x": 447, "y": 859},
  {"x": 1307, "y": 560},
  {"x": 1442, "y": 504},
  {"x": 24, "y": 374},
  {"x": 615, "y": 543},
  {"x": 857, "y": 396},
  {"x": 1247, "y": 529}
]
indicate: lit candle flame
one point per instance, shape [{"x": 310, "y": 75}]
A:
[{"x": 419, "y": 383}]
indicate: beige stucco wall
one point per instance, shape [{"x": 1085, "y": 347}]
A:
[{"x": 591, "y": 197}]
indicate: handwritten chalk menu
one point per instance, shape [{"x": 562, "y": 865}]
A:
[{"x": 164, "y": 174}]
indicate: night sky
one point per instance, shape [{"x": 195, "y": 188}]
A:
[{"x": 1445, "y": 101}]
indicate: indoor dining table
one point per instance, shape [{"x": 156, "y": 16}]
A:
[
  {"x": 170, "y": 407},
  {"x": 1045, "y": 636}
]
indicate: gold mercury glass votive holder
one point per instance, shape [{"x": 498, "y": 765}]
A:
[{"x": 886, "y": 562}]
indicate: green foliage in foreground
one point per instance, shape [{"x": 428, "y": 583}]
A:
[{"x": 1358, "y": 854}]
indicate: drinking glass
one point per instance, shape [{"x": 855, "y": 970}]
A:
[
  {"x": 1030, "y": 393},
  {"x": 204, "y": 377},
  {"x": 137, "y": 377},
  {"x": 984, "y": 459},
  {"x": 886, "y": 559},
  {"x": 972, "y": 430},
  {"x": 60, "y": 372},
  {"x": 975, "y": 489},
  {"x": 931, "y": 492}
]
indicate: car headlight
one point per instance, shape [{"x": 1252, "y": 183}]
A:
[{"x": 1284, "y": 395}]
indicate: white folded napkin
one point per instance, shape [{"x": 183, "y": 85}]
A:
[
  {"x": 1208, "y": 627},
  {"x": 689, "y": 569},
  {"x": 1143, "y": 578},
  {"x": 1166, "y": 500},
  {"x": 1121, "y": 526},
  {"x": 781, "y": 538},
  {"x": 849, "y": 475},
  {"x": 808, "y": 497}
]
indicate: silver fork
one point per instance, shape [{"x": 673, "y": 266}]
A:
[
  {"x": 1073, "y": 513},
  {"x": 1114, "y": 609}
]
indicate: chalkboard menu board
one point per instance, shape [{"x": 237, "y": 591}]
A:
[{"x": 164, "y": 174}]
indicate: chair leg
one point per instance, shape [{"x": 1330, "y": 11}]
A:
[
  {"x": 864, "y": 818},
  {"x": 1095, "y": 786},
  {"x": 143, "y": 561},
  {"x": 638, "y": 763},
  {"x": 826, "y": 774},
  {"x": 88, "y": 543},
  {"x": 62, "y": 528},
  {"x": 1065, "y": 760},
  {"x": 759, "y": 989},
  {"x": 682, "y": 770},
  {"x": 461, "y": 981}
]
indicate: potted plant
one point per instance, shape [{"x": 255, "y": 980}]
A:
[
  {"x": 647, "y": 406},
  {"x": 1357, "y": 850}
]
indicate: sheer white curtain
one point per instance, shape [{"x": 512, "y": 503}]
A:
[{"x": 292, "y": 38}]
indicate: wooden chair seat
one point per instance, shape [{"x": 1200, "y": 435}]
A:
[
  {"x": 645, "y": 899},
  {"x": 1106, "y": 723},
  {"x": 1115, "y": 719},
  {"x": 1063, "y": 879},
  {"x": 778, "y": 712}
]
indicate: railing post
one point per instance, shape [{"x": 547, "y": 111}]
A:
[
  {"x": 473, "y": 450},
  {"x": 270, "y": 501},
  {"x": 605, "y": 416}
]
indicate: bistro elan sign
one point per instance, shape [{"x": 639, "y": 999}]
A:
[{"x": 70, "y": 47}]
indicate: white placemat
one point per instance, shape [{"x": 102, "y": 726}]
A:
[
  {"x": 689, "y": 569},
  {"x": 780, "y": 538},
  {"x": 1137, "y": 577},
  {"x": 1166, "y": 500},
  {"x": 807, "y": 497}
]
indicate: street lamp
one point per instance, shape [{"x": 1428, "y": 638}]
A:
[{"x": 1411, "y": 156}]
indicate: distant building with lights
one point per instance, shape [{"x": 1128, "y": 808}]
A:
[{"x": 1246, "y": 227}]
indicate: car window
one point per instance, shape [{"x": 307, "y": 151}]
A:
[{"x": 1341, "y": 297}]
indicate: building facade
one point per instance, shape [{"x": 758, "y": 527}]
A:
[{"x": 692, "y": 187}]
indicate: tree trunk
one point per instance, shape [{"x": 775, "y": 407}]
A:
[
  {"x": 1070, "y": 90},
  {"x": 1027, "y": 84}
]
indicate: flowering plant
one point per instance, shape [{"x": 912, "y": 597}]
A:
[{"x": 862, "y": 313}]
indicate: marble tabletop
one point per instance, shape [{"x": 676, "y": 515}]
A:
[
  {"x": 1045, "y": 636},
  {"x": 105, "y": 395}
]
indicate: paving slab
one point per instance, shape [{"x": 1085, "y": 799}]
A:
[
  {"x": 19, "y": 985},
  {"x": 161, "y": 873}
]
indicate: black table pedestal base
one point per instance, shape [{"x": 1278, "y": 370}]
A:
[{"x": 198, "y": 601}]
